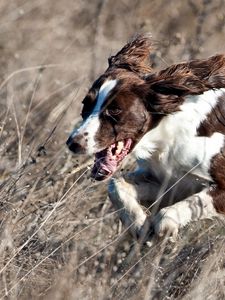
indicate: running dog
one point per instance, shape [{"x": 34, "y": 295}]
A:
[{"x": 173, "y": 121}]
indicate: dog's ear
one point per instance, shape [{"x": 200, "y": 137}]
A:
[
  {"x": 165, "y": 96},
  {"x": 166, "y": 87},
  {"x": 166, "y": 90},
  {"x": 134, "y": 56}
]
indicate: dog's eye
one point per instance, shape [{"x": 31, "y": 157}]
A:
[{"x": 113, "y": 111}]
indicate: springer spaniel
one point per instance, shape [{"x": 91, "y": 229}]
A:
[{"x": 174, "y": 122}]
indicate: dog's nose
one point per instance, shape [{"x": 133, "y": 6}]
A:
[{"x": 76, "y": 146}]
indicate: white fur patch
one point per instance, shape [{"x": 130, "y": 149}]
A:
[
  {"x": 174, "y": 143},
  {"x": 91, "y": 124}
]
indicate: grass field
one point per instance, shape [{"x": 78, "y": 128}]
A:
[{"x": 60, "y": 238}]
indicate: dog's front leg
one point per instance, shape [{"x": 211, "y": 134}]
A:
[
  {"x": 124, "y": 197},
  {"x": 126, "y": 193},
  {"x": 170, "y": 219}
]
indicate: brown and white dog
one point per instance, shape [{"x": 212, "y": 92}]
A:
[{"x": 173, "y": 121}]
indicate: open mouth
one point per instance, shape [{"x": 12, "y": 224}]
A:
[{"x": 108, "y": 160}]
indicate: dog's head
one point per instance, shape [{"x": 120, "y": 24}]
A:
[
  {"x": 124, "y": 103},
  {"x": 114, "y": 115}
]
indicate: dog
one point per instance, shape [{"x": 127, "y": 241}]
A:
[{"x": 173, "y": 120}]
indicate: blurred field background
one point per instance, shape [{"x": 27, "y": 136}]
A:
[{"x": 59, "y": 235}]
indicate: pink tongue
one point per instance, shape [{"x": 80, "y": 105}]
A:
[{"x": 104, "y": 163}]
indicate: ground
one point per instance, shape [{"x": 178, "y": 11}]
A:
[{"x": 60, "y": 237}]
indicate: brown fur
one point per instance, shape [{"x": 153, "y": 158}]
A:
[
  {"x": 168, "y": 87},
  {"x": 215, "y": 121},
  {"x": 134, "y": 56}
]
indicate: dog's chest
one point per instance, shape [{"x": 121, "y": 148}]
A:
[{"x": 185, "y": 154}]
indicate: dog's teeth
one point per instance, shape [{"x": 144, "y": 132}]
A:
[{"x": 119, "y": 147}]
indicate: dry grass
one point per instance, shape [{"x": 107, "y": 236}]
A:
[{"x": 60, "y": 237}]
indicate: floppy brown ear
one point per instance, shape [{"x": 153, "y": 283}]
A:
[
  {"x": 168, "y": 88},
  {"x": 134, "y": 56},
  {"x": 165, "y": 97}
]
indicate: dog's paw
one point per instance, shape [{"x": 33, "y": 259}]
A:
[{"x": 166, "y": 224}]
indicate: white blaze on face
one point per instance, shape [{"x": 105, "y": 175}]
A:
[{"x": 91, "y": 124}]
